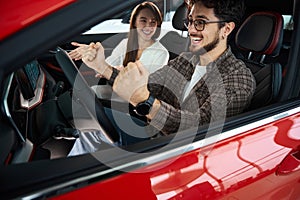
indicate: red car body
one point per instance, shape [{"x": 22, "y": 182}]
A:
[
  {"x": 16, "y": 16},
  {"x": 262, "y": 163},
  {"x": 258, "y": 159}
]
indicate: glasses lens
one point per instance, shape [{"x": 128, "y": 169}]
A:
[{"x": 199, "y": 24}]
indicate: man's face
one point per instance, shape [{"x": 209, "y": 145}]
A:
[{"x": 207, "y": 39}]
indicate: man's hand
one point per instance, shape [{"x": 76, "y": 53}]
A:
[{"x": 131, "y": 83}]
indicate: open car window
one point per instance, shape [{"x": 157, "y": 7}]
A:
[{"x": 44, "y": 112}]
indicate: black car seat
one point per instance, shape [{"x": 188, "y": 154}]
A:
[
  {"x": 172, "y": 40},
  {"x": 260, "y": 36}
]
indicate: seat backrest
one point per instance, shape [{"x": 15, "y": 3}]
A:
[
  {"x": 172, "y": 40},
  {"x": 260, "y": 35},
  {"x": 179, "y": 16}
]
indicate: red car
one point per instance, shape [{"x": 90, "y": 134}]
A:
[{"x": 254, "y": 155}]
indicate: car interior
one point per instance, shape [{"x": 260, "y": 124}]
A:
[{"x": 37, "y": 100}]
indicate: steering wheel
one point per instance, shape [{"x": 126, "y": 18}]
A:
[{"x": 85, "y": 94}]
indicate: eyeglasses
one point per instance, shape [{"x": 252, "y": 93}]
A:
[{"x": 199, "y": 24}]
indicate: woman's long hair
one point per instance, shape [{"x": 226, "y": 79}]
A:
[{"x": 132, "y": 43}]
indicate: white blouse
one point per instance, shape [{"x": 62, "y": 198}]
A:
[{"x": 153, "y": 57}]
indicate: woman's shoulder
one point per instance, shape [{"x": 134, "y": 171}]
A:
[
  {"x": 123, "y": 41},
  {"x": 158, "y": 45}
]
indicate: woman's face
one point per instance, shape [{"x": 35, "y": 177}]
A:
[{"x": 146, "y": 24}]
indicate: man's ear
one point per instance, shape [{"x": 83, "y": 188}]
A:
[{"x": 228, "y": 28}]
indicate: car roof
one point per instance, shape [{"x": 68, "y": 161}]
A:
[{"x": 16, "y": 15}]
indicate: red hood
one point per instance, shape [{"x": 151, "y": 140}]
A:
[{"x": 16, "y": 14}]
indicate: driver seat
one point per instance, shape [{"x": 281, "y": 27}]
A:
[{"x": 260, "y": 36}]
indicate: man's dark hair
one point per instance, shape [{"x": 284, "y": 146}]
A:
[{"x": 227, "y": 10}]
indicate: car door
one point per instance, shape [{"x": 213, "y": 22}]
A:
[{"x": 259, "y": 160}]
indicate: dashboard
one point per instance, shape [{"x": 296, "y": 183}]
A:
[
  {"x": 24, "y": 91},
  {"x": 31, "y": 81}
]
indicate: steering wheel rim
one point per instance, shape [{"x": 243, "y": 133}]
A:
[{"x": 85, "y": 94}]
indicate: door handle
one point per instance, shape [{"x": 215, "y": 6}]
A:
[{"x": 290, "y": 164}]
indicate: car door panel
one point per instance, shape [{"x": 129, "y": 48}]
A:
[{"x": 232, "y": 168}]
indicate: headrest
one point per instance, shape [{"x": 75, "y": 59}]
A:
[
  {"x": 262, "y": 33},
  {"x": 180, "y": 15}
]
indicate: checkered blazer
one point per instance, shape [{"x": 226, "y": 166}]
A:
[{"x": 225, "y": 90}]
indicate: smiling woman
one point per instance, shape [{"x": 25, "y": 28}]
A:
[
  {"x": 141, "y": 44},
  {"x": 145, "y": 24}
]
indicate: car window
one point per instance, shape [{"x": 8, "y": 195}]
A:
[{"x": 120, "y": 23}]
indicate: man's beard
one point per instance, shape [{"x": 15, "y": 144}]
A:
[{"x": 208, "y": 47}]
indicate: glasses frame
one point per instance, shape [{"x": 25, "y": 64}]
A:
[{"x": 187, "y": 23}]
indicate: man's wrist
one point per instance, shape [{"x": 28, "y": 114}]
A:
[
  {"x": 143, "y": 108},
  {"x": 155, "y": 107}
]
